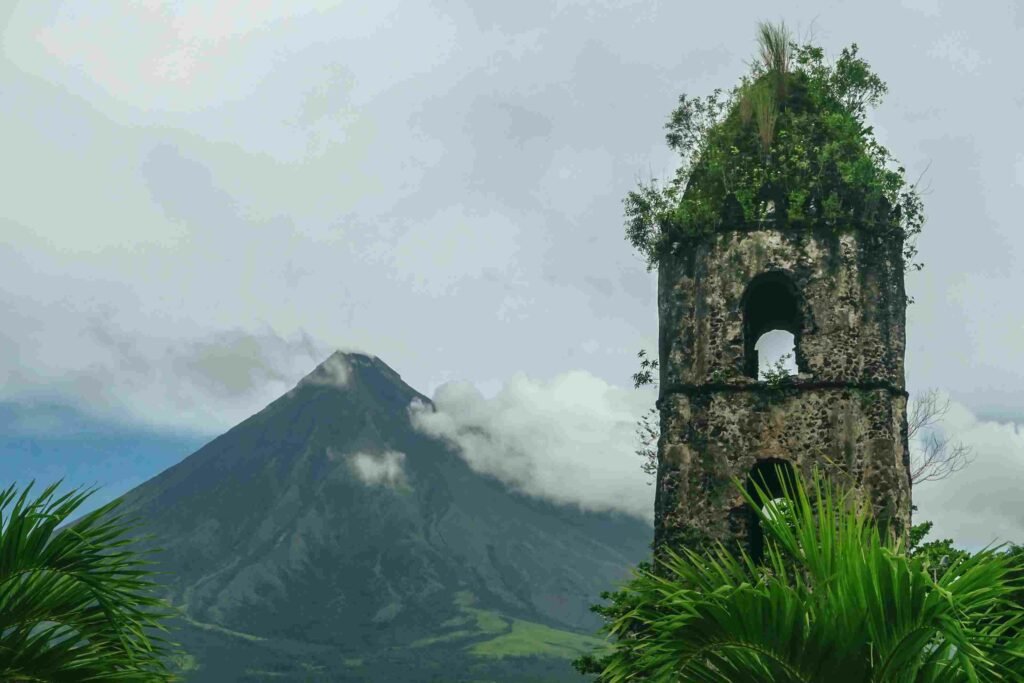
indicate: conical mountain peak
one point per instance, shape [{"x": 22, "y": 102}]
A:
[
  {"x": 361, "y": 376},
  {"x": 327, "y": 529},
  {"x": 337, "y": 369}
]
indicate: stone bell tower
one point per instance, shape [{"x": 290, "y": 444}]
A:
[{"x": 840, "y": 293}]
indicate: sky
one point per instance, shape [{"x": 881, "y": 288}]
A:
[{"x": 202, "y": 201}]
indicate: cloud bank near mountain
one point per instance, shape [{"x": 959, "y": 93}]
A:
[
  {"x": 335, "y": 373},
  {"x": 570, "y": 440},
  {"x": 379, "y": 469}
]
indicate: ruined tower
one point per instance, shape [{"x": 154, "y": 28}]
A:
[
  {"x": 839, "y": 291},
  {"x": 841, "y": 295}
]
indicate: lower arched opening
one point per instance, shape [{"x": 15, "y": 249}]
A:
[{"x": 774, "y": 476}]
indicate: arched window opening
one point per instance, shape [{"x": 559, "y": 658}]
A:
[
  {"x": 770, "y": 304},
  {"x": 776, "y": 350},
  {"x": 766, "y": 475},
  {"x": 773, "y": 200}
]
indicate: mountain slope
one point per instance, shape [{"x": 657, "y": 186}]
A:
[{"x": 325, "y": 528}]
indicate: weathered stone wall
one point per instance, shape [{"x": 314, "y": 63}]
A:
[
  {"x": 852, "y": 300},
  {"x": 709, "y": 437},
  {"x": 845, "y": 411}
]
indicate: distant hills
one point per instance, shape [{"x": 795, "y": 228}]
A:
[{"x": 326, "y": 539}]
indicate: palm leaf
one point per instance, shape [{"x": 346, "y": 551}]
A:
[
  {"x": 72, "y": 606},
  {"x": 833, "y": 599}
]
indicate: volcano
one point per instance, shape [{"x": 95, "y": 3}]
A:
[{"x": 325, "y": 538}]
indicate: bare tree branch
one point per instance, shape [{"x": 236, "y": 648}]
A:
[
  {"x": 649, "y": 426},
  {"x": 649, "y": 434},
  {"x": 926, "y": 412},
  {"x": 937, "y": 457}
]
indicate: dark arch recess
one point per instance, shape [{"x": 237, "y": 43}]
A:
[
  {"x": 766, "y": 475},
  {"x": 770, "y": 302}
]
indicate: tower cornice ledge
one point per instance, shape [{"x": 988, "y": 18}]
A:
[
  {"x": 751, "y": 387},
  {"x": 796, "y": 228}
]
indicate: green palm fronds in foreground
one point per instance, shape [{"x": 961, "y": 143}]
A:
[
  {"x": 71, "y": 603},
  {"x": 833, "y": 600}
]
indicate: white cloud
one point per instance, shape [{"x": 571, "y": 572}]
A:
[
  {"x": 335, "y": 372},
  {"x": 184, "y": 56},
  {"x": 982, "y": 503},
  {"x": 379, "y": 469},
  {"x": 929, "y": 8},
  {"x": 513, "y": 309},
  {"x": 574, "y": 178},
  {"x": 570, "y": 440},
  {"x": 201, "y": 383},
  {"x": 455, "y": 244},
  {"x": 952, "y": 48}
]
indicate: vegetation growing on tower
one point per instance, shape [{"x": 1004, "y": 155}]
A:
[{"x": 789, "y": 147}]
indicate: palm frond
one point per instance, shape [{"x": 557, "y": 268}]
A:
[
  {"x": 833, "y": 599},
  {"x": 73, "y": 607}
]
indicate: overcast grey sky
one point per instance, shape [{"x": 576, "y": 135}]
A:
[{"x": 202, "y": 200}]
